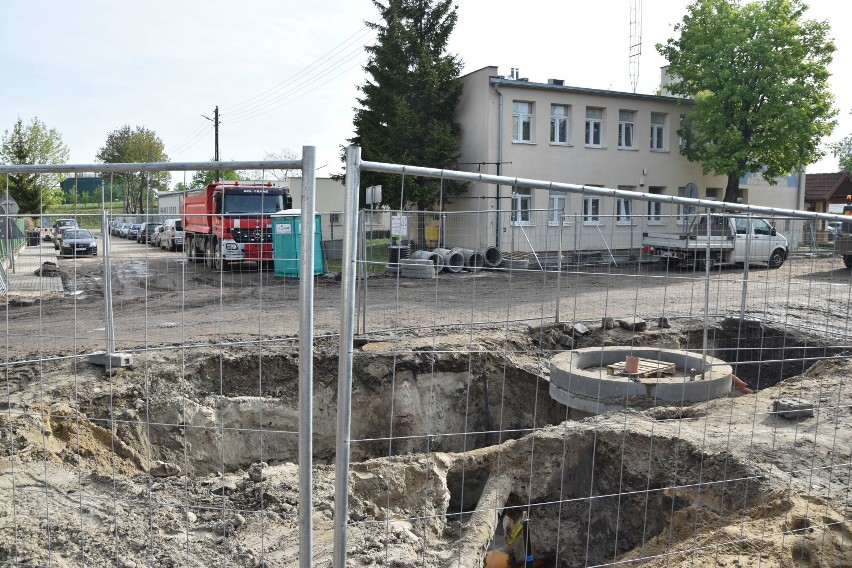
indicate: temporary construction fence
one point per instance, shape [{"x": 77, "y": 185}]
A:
[{"x": 433, "y": 421}]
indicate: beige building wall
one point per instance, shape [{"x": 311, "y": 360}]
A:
[
  {"x": 329, "y": 200},
  {"x": 493, "y": 143}
]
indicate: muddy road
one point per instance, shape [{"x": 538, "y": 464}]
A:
[{"x": 162, "y": 300}]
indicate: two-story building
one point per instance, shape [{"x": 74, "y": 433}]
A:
[{"x": 551, "y": 131}]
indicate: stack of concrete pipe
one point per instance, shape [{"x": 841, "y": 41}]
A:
[
  {"x": 453, "y": 260},
  {"x": 435, "y": 259},
  {"x": 426, "y": 264},
  {"x": 473, "y": 260},
  {"x": 491, "y": 257}
]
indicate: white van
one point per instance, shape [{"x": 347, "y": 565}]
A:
[{"x": 172, "y": 235}]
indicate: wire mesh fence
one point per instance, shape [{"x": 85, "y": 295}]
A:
[{"x": 494, "y": 413}]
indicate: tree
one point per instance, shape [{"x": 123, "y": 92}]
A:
[
  {"x": 34, "y": 143},
  {"x": 280, "y": 175},
  {"x": 409, "y": 101},
  {"x": 757, "y": 75},
  {"x": 843, "y": 152},
  {"x": 126, "y": 145},
  {"x": 202, "y": 178}
]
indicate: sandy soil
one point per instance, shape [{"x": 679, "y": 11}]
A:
[{"x": 188, "y": 458}]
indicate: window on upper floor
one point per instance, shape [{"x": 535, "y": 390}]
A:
[
  {"x": 558, "y": 207},
  {"x": 594, "y": 127},
  {"x": 559, "y": 124},
  {"x": 521, "y": 205},
  {"x": 712, "y": 193},
  {"x": 522, "y": 114},
  {"x": 626, "y": 126},
  {"x": 591, "y": 210},
  {"x": 658, "y": 131}
]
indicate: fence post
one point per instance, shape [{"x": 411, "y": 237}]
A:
[
  {"x": 306, "y": 358},
  {"x": 344, "y": 374},
  {"x": 110, "y": 326}
]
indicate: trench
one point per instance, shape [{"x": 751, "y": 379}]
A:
[
  {"x": 230, "y": 410},
  {"x": 599, "y": 496}
]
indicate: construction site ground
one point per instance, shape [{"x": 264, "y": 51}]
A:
[{"x": 188, "y": 458}]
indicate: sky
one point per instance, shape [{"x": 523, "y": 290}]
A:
[{"x": 284, "y": 74}]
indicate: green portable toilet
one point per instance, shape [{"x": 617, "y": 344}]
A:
[{"x": 287, "y": 242}]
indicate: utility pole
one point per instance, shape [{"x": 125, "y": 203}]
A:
[{"x": 215, "y": 121}]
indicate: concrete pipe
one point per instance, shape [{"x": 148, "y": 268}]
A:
[
  {"x": 473, "y": 261},
  {"x": 436, "y": 259},
  {"x": 418, "y": 268},
  {"x": 491, "y": 256},
  {"x": 453, "y": 260}
]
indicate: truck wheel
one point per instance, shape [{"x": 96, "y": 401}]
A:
[
  {"x": 208, "y": 253},
  {"x": 703, "y": 264},
  {"x": 847, "y": 260},
  {"x": 776, "y": 259}
]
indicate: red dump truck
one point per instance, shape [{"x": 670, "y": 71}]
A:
[{"x": 229, "y": 221}]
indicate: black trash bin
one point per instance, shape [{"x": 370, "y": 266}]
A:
[{"x": 33, "y": 238}]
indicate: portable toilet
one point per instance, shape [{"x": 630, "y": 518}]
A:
[{"x": 287, "y": 242}]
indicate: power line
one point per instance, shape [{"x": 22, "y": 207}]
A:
[
  {"x": 296, "y": 92},
  {"x": 269, "y": 93}
]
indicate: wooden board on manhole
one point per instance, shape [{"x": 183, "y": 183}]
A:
[{"x": 647, "y": 368}]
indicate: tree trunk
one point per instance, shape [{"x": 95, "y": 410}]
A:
[
  {"x": 143, "y": 187},
  {"x": 732, "y": 191}
]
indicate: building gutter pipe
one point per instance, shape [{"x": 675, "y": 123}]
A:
[{"x": 499, "y": 160}]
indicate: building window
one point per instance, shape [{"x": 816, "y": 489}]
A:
[
  {"x": 521, "y": 122},
  {"x": 626, "y": 124},
  {"x": 655, "y": 209},
  {"x": 624, "y": 208},
  {"x": 558, "y": 206},
  {"x": 559, "y": 124},
  {"x": 591, "y": 210},
  {"x": 683, "y": 211},
  {"x": 658, "y": 131},
  {"x": 712, "y": 193},
  {"x": 521, "y": 205},
  {"x": 594, "y": 126}
]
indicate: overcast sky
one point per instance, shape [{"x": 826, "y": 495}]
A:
[{"x": 284, "y": 74}]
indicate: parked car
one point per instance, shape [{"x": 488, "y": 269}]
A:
[
  {"x": 154, "y": 241},
  {"x": 172, "y": 236},
  {"x": 78, "y": 242},
  {"x": 133, "y": 231},
  {"x": 123, "y": 229},
  {"x": 833, "y": 229},
  {"x": 144, "y": 234},
  {"x": 61, "y": 224}
]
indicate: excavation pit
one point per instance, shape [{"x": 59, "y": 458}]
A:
[{"x": 589, "y": 382}]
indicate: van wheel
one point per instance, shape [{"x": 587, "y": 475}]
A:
[{"x": 776, "y": 259}]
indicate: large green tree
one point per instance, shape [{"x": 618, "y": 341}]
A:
[
  {"x": 408, "y": 102},
  {"x": 33, "y": 143},
  {"x": 843, "y": 152},
  {"x": 139, "y": 145},
  {"x": 757, "y": 74}
]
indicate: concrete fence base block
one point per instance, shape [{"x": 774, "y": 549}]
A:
[
  {"x": 112, "y": 360},
  {"x": 793, "y": 408}
]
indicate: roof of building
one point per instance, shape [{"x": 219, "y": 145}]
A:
[
  {"x": 557, "y": 85},
  {"x": 824, "y": 187}
]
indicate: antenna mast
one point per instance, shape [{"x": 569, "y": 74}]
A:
[{"x": 635, "y": 41}]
